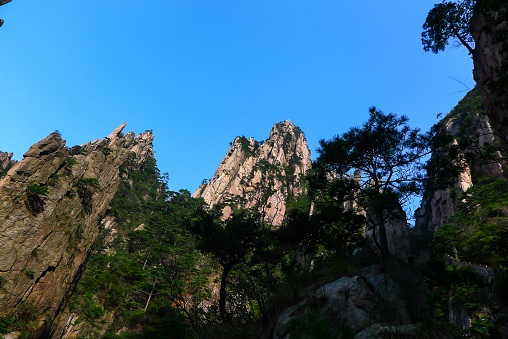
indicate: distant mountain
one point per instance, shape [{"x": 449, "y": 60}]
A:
[{"x": 263, "y": 175}]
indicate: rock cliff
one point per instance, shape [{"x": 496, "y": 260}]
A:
[
  {"x": 489, "y": 28},
  {"x": 52, "y": 203},
  {"x": 468, "y": 120},
  {"x": 262, "y": 175}
]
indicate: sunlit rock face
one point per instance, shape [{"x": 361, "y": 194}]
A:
[
  {"x": 6, "y": 160},
  {"x": 263, "y": 175},
  {"x": 51, "y": 205},
  {"x": 468, "y": 119}
]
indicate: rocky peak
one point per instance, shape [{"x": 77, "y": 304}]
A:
[
  {"x": 262, "y": 175},
  {"x": 6, "y": 159},
  {"x": 52, "y": 204}
]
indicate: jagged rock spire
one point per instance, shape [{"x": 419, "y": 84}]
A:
[
  {"x": 261, "y": 174},
  {"x": 52, "y": 203}
]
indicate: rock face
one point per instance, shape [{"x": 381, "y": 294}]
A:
[
  {"x": 5, "y": 160},
  {"x": 261, "y": 175},
  {"x": 490, "y": 57},
  {"x": 52, "y": 203},
  {"x": 467, "y": 119},
  {"x": 362, "y": 302},
  {"x": 397, "y": 236}
]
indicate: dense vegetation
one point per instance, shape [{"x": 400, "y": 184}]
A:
[{"x": 144, "y": 275}]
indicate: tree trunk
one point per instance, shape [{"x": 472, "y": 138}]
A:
[
  {"x": 383, "y": 241},
  {"x": 222, "y": 296},
  {"x": 150, "y": 295}
]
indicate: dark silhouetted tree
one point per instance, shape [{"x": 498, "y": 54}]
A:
[
  {"x": 446, "y": 21},
  {"x": 374, "y": 168}
]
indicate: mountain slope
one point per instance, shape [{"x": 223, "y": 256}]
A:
[{"x": 52, "y": 203}]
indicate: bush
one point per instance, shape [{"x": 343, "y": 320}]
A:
[{"x": 35, "y": 202}]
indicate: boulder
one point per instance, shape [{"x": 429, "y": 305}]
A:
[{"x": 356, "y": 302}]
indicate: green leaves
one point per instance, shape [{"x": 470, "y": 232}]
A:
[
  {"x": 477, "y": 230},
  {"x": 384, "y": 151},
  {"x": 376, "y": 168},
  {"x": 448, "y": 20}
]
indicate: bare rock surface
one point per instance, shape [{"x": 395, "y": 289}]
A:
[
  {"x": 51, "y": 206},
  {"x": 490, "y": 57},
  {"x": 6, "y": 159},
  {"x": 262, "y": 174},
  {"x": 439, "y": 205},
  {"x": 358, "y": 302}
]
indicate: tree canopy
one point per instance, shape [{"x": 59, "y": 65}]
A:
[
  {"x": 376, "y": 168},
  {"x": 446, "y": 21}
]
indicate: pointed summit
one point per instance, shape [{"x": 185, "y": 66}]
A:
[
  {"x": 261, "y": 174},
  {"x": 117, "y": 131}
]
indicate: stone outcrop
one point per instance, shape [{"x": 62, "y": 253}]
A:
[
  {"x": 52, "y": 203},
  {"x": 366, "y": 303},
  {"x": 466, "y": 120},
  {"x": 397, "y": 236},
  {"x": 489, "y": 27},
  {"x": 6, "y": 160},
  {"x": 261, "y": 175}
]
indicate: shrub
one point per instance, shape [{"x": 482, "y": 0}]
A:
[{"x": 35, "y": 202}]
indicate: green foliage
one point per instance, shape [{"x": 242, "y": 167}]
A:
[
  {"x": 480, "y": 327},
  {"x": 35, "y": 198},
  {"x": 245, "y": 144},
  {"x": 233, "y": 244},
  {"x": 468, "y": 117},
  {"x": 85, "y": 188},
  {"x": 310, "y": 325},
  {"x": 106, "y": 150},
  {"x": 476, "y": 231},
  {"x": 23, "y": 320},
  {"x": 3, "y": 171},
  {"x": 331, "y": 225},
  {"x": 151, "y": 278},
  {"x": 37, "y": 189},
  {"x": 76, "y": 150},
  {"x": 377, "y": 167},
  {"x": 70, "y": 161},
  {"x": 92, "y": 182},
  {"x": 53, "y": 180},
  {"x": 448, "y": 20},
  {"x": 5, "y": 323}
]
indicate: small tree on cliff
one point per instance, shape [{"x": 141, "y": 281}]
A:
[
  {"x": 377, "y": 167},
  {"x": 446, "y": 21}
]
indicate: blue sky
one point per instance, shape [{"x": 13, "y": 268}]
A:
[{"x": 198, "y": 73}]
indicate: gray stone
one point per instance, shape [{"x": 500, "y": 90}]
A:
[
  {"x": 357, "y": 302},
  {"x": 46, "y": 146}
]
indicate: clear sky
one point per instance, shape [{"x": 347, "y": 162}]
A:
[{"x": 200, "y": 72}]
